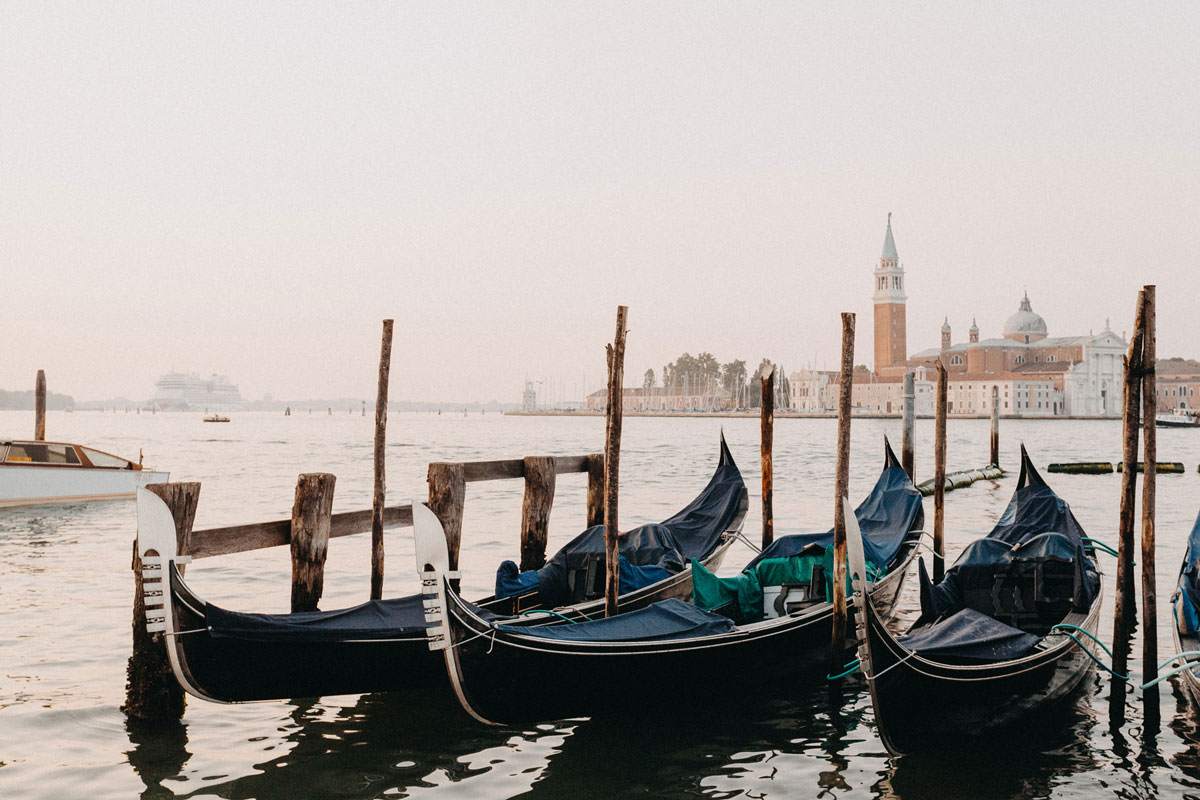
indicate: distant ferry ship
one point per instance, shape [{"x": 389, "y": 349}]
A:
[{"x": 189, "y": 390}]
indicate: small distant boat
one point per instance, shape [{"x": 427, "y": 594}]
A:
[
  {"x": 216, "y": 418},
  {"x": 38, "y": 473},
  {"x": 1178, "y": 418}
]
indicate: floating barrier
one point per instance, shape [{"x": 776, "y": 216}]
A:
[
  {"x": 1174, "y": 467},
  {"x": 1083, "y": 468},
  {"x": 962, "y": 478}
]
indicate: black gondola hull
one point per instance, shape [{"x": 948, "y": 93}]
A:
[
  {"x": 922, "y": 704},
  {"x": 232, "y": 669},
  {"x": 504, "y": 678}
]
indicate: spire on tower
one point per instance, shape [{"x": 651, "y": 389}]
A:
[{"x": 889, "y": 243}]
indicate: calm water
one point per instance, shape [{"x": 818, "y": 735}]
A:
[{"x": 65, "y": 593}]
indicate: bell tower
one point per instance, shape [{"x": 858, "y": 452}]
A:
[{"x": 891, "y": 330}]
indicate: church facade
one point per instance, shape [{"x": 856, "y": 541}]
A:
[{"x": 1035, "y": 375}]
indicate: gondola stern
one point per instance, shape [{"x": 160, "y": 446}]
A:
[
  {"x": 438, "y": 596},
  {"x": 158, "y": 551}
]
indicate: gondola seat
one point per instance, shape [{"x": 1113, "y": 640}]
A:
[{"x": 1030, "y": 586}]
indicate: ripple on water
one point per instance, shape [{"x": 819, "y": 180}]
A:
[{"x": 64, "y": 629}]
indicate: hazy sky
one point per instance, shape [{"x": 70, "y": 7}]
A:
[{"x": 250, "y": 187}]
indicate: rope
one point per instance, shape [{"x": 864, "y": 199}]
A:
[
  {"x": 852, "y": 667},
  {"x": 551, "y": 612},
  {"x": 750, "y": 544},
  {"x": 1101, "y": 545},
  {"x": 1068, "y": 626},
  {"x": 1093, "y": 657},
  {"x": 1184, "y": 667}
]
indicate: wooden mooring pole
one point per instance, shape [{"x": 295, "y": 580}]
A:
[
  {"x": 995, "y": 451},
  {"x": 311, "y": 513},
  {"x": 612, "y": 463},
  {"x": 39, "y": 407},
  {"x": 379, "y": 491},
  {"x": 939, "y": 475},
  {"x": 1149, "y": 628},
  {"x": 535, "y": 510},
  {"x": 1125, "y": 611},
  {"x": 151, "y": 692},
  {"x": 910, "y": 411},
  {"x": 841, "y": 483},
  {"x": 767, "y": 438}
]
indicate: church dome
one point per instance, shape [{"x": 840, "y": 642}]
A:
[{"x": 1026, "y": 325}]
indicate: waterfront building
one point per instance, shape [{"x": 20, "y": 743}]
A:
[
  {"x": 661, "y": 399},
  {"x": 190, "y": 390},
  {"x": 1034, "y": 373}
]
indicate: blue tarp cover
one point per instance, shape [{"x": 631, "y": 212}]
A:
[
  {"x": 1036, "y": 525},
  {"x": 887, "y": 515},
  {"x": 666, "y": 619},
  {"x": 969, "y": 636},
  {"x": 666, "y": 546},
  {"x": 375, "y": 619},
  {"x": 1187, "y": 607}
]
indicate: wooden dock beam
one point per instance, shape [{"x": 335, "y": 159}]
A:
[
  {"x": 535, "y": 510},
  {"x": 151, "y": 692},
  {"x": 841, "y": 484},
  {"x": 311, "y": 518},
  {"x": 39, "y": 406},
  {"x": 766, "y": 427},
  {"x": 910, "y": 411},
  {"x": 379, "y": 489},
  {"x": 939, "y": 476},
  {"x": 1150, "y": 456},
  {"x": 612, "y": 462}
]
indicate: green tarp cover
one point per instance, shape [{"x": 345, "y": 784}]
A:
[{"x": 742, "y": 595}]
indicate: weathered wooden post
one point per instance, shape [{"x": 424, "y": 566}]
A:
[
  {"x": 535, "y": 510},
  {"x": 841, "y": 485},
  {"x": 595, "y": 489},
  {"x": 39, "y": 407},
  {"x": 151, "y": 691},
  {"x": 612, "y": 463},
  {"x": 767, "y": 438},
  {"x": 1150, "y": 457},
  {"x": 311, "y": 512},
  {"x": 447, "y": 493},
  {"x": 995, "y": 455},
  {"x": 910, "y": 411},
  {"x": 939, "y": 475},
  {"x": 1125, "y": 611},
  {"x": 378, "y": 494}
]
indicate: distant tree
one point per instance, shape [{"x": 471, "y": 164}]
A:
[
  {"x": 648, "y": 379},
  {"x": 733, "y": 375}
]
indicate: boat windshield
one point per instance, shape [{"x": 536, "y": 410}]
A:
[
  {"x": 100, "y": 459},
  {"x": 41, "y": 453}
]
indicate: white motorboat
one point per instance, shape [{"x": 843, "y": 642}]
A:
[
  {"x": 1178, "y": 418},
  {"x": 37, "y": 473}
]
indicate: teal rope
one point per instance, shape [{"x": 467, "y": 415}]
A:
[
  {"x": 1101, "y": 545},
  {"x": 563, "y": 617},
  {"x": 1088, "y": 634},
  {"x": 854, "y": 666},
  {"x": 1092, "y": 656},
  {"x": 1184, "y": 654},
  {"x": 1184, "y": 667}
]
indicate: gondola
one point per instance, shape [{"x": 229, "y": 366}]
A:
[
  {"x": 1004, "y": 636},
  {"x": 1185, "y": 607},
  {"x": 672, "y": 652},
  {"x": 228, "y": 656}
]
